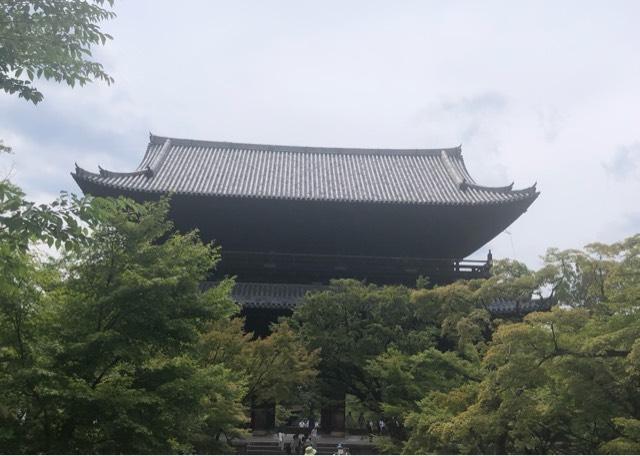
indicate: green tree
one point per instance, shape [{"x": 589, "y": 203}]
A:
[
  {"x": 98, "y": 351},
  {"x": 389, "y": 346},
  {"x": 405, "y": 379},
  {"x": 50, "y": 39},
  {"x": 63, "y": 223},
  {"x": 276, "y": 367},
  {"x": 564, "y": 381},
  {"x": 397, "y": 349},
  {"x": 353, "y": 323}
]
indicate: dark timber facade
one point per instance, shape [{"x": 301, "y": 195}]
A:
[{"x": 289, "y": 219}]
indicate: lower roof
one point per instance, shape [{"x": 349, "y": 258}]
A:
[{"x": 286, "y": 296}]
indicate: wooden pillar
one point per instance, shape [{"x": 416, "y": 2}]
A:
[
  {"x": 332, "y": 415},
  {"x": 263, "y": 417}
]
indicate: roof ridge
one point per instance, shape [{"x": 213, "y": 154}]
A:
[
  {"x": 453, "y": 174},
  {"x": 160, "y": 157},
  {"x": 153, "y": 139}
]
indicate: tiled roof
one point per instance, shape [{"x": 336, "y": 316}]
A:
[
  {"x": 418, "y": 176},
  {"x": 271, "y": 295},
  {"x": 518, "y": 307},
  {"x": 255, "y": 295},
  {"x": 286, "y": 296}
]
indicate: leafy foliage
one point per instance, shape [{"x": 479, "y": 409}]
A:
[
  {"x": 564, "y": 381},
  {"x": 50, "y": 39},
  {"x": 276, "y": 367},
  {"x": 351, "y": 324},
  {"x": 447, "y": 377},
  {"x": 98, "y": 350},
  {"x": 63, "y": 223},
  {"x": 388, "y": 346},
  {"x": 114, "y": 347}
]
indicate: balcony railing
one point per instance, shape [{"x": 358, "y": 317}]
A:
[{"x": 277, "y": 266}]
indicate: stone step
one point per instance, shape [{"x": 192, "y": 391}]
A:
[
  {"x": 272, "y": 447},
  {"x": 264, "y": 448},
  {"x": 265, "y": 451},
  {"x": 257, "y": 451}
]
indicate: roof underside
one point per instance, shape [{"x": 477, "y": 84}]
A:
[{"x": 413, "y": 176}]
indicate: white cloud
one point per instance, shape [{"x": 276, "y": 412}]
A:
[{"x": 625, "y": 162}]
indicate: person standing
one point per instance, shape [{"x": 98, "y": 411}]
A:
[
  {"x": 294, "y": 444},
  {"x": 281, "y": 440},
  {"x": 313, "y": 435}
]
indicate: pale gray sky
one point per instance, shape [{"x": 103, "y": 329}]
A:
[{"x": 534, "y": 91}]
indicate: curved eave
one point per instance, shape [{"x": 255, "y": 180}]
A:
[
  {"x": 507, "y": 189},
  {"x": 147, "y": 172},
  {"x": 83, "y": 174},
  {"x": 503, "y": 195}
]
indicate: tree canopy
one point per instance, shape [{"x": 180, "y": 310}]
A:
[
  {"x": 449, "y": 377},
  {"x": 97, "y": 346},
  {"x": 115, "y": 347},
  {"x": 564, "y": 381},
  {"x": 50, "y": 39}
]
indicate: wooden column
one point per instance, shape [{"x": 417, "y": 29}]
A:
[
  {"x": 263, "y": 418},
  {"x": 333, "y": 415}
]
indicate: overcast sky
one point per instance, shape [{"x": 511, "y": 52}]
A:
[{"x": 534, "y": 91}]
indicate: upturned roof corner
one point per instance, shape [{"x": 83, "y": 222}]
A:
[{"x": 396, "y": 176}]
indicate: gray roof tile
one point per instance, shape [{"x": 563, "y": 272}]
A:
[
  {"x": 255, "y": 295},
  {"x": 418, "y": 176},
  {"x": 260, "y": 295},
  {"x": 502, "y": 306}
]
